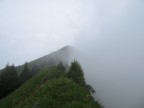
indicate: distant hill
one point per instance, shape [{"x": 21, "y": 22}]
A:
[{"x": 64, "y": 55}]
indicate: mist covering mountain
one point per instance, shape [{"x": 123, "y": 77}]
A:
[
  {"x": 108, "y": 35},
  {"x": 57, "y": 84},
  {"x": 64, "y": 55}
]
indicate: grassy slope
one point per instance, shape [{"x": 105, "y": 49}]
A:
[{"x": 49, "y": 89}]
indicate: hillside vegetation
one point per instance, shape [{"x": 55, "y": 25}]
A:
[
  {"x": 53, "y": 87},
  {"x": 11, "y": 77}
]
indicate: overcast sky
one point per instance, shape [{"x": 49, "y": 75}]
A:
[
  {"x": 33, "y": 28},
  {"x": 109, "y": 36}
]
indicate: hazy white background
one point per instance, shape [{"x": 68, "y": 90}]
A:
[
  {"x": 108, "y": 35},
  {"x": 33, "y": 28}
]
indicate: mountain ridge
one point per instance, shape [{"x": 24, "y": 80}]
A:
[
  {"x": 64, "y": 55},
  {"x": 50, "y": 88}
]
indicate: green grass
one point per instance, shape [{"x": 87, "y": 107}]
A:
[{"x": 50, "y": 89}]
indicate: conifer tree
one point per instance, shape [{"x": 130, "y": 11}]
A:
[
  {"x": 34, "y": 70},
  {"x": 76, "y": 73},
  {"x": 8, "y": 80},
  {"x": 61, "y": 66},
  {"x": 25, "y": 75}
]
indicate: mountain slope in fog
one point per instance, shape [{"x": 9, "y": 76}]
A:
[{"x": 63, "y": 55}]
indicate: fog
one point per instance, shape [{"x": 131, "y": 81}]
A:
[
  {"x": 108, "y": 36},
  {"x": 112, "y": 57}
]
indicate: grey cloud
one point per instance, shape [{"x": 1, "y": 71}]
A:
[{"x": 113, "y": 56}]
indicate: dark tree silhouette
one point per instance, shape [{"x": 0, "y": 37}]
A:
[
  {"x": 76, "y": 73},
  {"x": 25, "y": 75},
  {"x": 8, "y": 80},
  {"x": 34, "y": 70},
  {"x": 61, "y": 66}
]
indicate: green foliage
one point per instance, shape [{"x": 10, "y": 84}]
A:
[
  {"x": 8, "y": 80},
  {"x": 50, "y": 89},
  {"x": 76, "y": 73}
]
